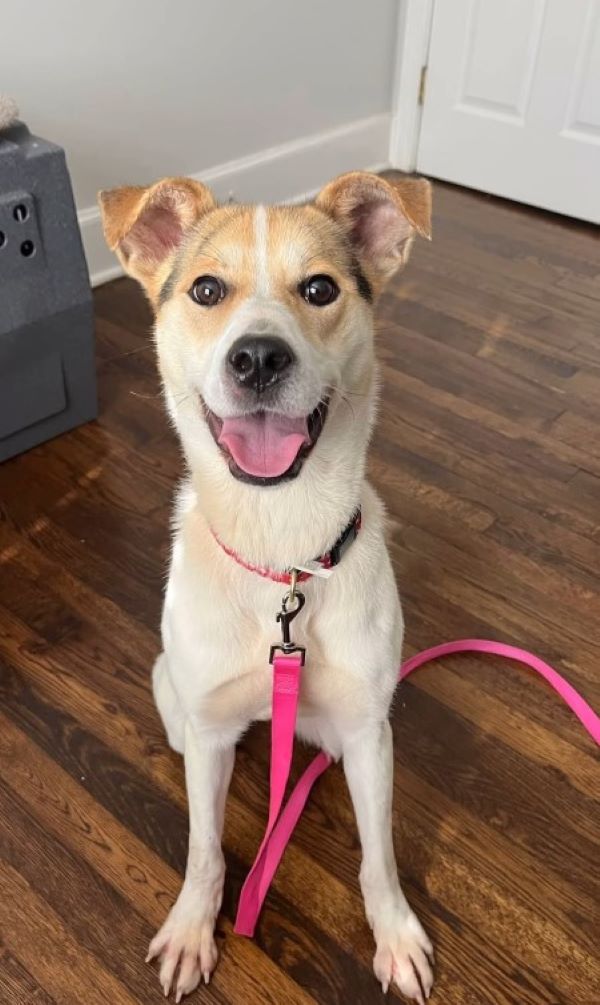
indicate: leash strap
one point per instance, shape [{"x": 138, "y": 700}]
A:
[
  {"x": 286, "y": 686},
  {"x": 586, "y": 715}
]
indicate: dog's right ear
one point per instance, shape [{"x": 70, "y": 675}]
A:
[{"x": 145, "y": 226}]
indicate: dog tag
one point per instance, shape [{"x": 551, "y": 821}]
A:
[{"x": 315, "y": 569}]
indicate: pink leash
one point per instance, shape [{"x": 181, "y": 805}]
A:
[{"x": 286, "y": 685}]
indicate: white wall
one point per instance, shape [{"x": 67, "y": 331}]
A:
[{"x": 136, "y": 89}]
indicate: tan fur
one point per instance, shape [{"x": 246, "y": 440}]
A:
[
  {"x": 125, "y": 212},
  {"x": 411, "y": 197},
  {"x": 301, "y": 243}
]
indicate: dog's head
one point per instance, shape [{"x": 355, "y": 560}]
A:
[{"x": 263, "y": 315}]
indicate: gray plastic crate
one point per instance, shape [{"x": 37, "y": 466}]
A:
[{"x": 47, "y": 371}]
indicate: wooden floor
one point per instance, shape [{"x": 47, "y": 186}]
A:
[{"x": 487, "y": 454}]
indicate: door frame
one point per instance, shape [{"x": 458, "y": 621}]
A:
[{"x": 415, "y": 18}]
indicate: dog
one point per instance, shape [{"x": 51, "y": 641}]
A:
[{"x": 264, "y": 330}]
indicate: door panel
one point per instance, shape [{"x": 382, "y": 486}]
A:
[
  {"x": 499, "y": 60},
  {"x": 583, "y": 114},
  {"x": 512, "y": 103}
]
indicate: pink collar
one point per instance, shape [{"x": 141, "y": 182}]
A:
[{"x": 328, "y": 560}]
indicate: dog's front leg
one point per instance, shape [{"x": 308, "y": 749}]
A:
[
  {"x": 186, "y": 938},
  {"x": 403, "y": 950}
]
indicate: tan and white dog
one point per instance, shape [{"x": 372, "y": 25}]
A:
[{"x": 265, "y": 339}]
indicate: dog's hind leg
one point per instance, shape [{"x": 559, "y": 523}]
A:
[
  {"x": 168, "y": 704},
  {"x": 403, "y": 951}
]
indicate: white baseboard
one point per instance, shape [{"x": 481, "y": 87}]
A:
[
  {"x": 102, "y": 264},
  {"x": 290, "y": 172}
]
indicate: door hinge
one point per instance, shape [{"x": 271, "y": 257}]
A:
[{"x": 422, "y": 85}]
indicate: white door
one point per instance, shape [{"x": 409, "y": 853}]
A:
[{"x": 512, "y": 101}]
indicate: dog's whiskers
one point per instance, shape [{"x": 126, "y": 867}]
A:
[
  {"x": 145, "y": 397},
  {"x": 343, "y": 396},
  {"x": 178, "y": 402},
  {"x": 214, "y": 252},
  {"x": 344, "y": 392},
  {"x": 147, "y": 347}
]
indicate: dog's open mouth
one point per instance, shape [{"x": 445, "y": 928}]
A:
[{"x": 265, "y": 448}]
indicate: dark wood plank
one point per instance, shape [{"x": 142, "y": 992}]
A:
[
  {"x": 486, "y": 455},
  {"x": 56, "y": 959},
  {"x": 124, "y": 861},
  {"x": 115, "y": 931},
  {"x": 18, "y": 986}
]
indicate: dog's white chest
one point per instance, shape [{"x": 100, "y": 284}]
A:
[{"x": 219, "y": 622}]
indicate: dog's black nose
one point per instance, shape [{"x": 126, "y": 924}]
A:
[{"x": 258, "y": 361}]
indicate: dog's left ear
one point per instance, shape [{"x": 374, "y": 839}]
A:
[{"x": 380, "y": 217}]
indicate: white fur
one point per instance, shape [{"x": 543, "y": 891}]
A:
[
  {"x": 261, "y": 234},
  {"x": 213, "y": 677}
]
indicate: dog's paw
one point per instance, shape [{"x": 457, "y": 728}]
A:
[
  {"x": 404, "y": 955},
  {"x": 186, "y": 950}
]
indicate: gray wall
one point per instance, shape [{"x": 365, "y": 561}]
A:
[{"x": 135, "y": 89}]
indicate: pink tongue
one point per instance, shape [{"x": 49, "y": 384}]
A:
[{"x": 264, "y": 444}]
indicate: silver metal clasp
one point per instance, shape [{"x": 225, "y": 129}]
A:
[{"x": 285, "y": 617}]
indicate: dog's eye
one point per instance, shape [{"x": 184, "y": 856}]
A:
[
  {"x": 319, "y": 290},
  {"x": 208, "y": 291}
]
